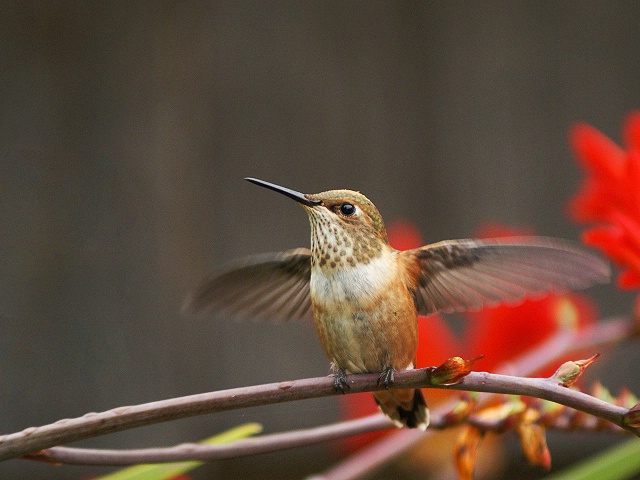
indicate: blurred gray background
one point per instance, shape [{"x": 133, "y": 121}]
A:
[{"x": 126, "y": 129}]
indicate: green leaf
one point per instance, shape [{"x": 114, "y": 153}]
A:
[
  {"x": 617, "y": 463},
  {"x": 163, "y": 471}
]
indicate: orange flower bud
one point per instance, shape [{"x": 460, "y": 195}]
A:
[
  {"x": 550, "y": 411},
  {"x": 452, "y": 371},
  {"x": 534, "y": 444},
  {"x": 570, "y": 372},
  {"x": 461, "y": 410},
  {"x": 503, "y": 415},
  {"x": 466, "y": 452}
]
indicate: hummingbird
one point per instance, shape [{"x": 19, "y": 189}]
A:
[{"x": 365, "y": 297}]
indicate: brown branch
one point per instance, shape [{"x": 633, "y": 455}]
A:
[{"x": 38, "y": 438}]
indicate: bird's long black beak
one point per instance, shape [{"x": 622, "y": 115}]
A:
[{"x": 297, "y": 196}]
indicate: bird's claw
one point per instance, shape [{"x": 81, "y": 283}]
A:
[
  {"x": 387, "y": 377},
  {"x": 340, "y": 381}
]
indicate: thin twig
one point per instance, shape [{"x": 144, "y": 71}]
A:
[{"x": 195, "y": 451}]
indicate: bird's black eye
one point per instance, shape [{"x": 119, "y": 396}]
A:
[{"x": 347, "y": 209}]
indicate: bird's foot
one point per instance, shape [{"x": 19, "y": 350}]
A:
[
  {"x": 340, "y": 381},
  {"x": 387, "y": 377}
]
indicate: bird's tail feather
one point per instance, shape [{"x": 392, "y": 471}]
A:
[{"x": 406, "y": 408}]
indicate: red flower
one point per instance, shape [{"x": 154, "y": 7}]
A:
[
  {"x": 504, "y": 332},
  {"x": 610, "y": 195}
]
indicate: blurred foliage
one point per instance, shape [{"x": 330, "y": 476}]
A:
[{"x": 166, "y": 471}]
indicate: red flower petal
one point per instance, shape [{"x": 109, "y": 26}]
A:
[
  {"x": 607, "y": 239},
  {"x": 611, "y": 195},
  {"x": 631, "y": 131},
  {"x": 592, "y": 203},
  {"x": 616, "y": 245},
  {"x": 633, "y": 183},
  {"x": 630, "y": 227},
  {"x": 629, "y": 280},
  {"x": 504, "y": 332},
  {"x": 403, "y": 235},
  {"x": 436, "y": 341},
  {"x": 599, "y": 155},
  {"x": 499, "y": 230}
]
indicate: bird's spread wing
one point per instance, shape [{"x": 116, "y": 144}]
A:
[
  {"x": 458, "y": 275},
  {"x": 271, "y": 286}
]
